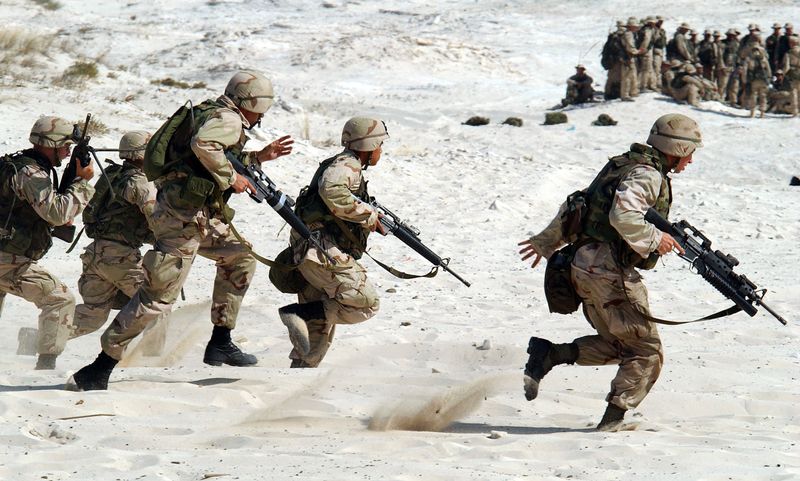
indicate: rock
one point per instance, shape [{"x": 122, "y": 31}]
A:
[{"x": 487, "y": 344}]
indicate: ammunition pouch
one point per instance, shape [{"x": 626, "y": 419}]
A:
[
  {"x": 196, "y": 191},
  {"x": 558, "y": 289},
  {"x": 284, "y": 274}
]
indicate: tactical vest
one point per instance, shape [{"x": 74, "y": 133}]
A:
[
  {"x": 22, "y": 231},
  {"x": 115, "y": 218},
  {"x": 758, "y": 72},
  {"x": 678, "y": 82},
  {"x": 600, "y": 198},
  {"x": 198, "y": 187},
  {"x": 310, "y": 207}
]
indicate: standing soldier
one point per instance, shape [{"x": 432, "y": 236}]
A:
[
  {"x": 749, "y": 41},
  {"x": 706, "y": 54},
  {"x": 334, "y": 205},
  {"x": 719, "y": 65},
  {"x": 791, "y": 68},
  {"x": 758, "y": 76},
  {"x": 611, "y": 60},
  {"x": 647, "y": 36},
  {"x": 118, "y": 219},
  {"x": 607, "y": 253},
  {"x": 31, "y": 207},
  {"x": 772, "y": 45},
  {"x": 190, "y": 218},
  {"x": 691, "y": 45},
  {"x": 629, "y": 81},
  {"x": 785, "y": 42},
  {"x": 731, "y": 56},
  {"x": 680, "y": 48},
  {"x": 659, "y": 44}
]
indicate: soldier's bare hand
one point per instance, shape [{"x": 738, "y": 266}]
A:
[
  {"x": 84, "y": 172},
  {"x": 379, "y": 227},
  {"x": 529, "y": 250},
  {"x": 668, "y": 244},
  {"x": 278, "y": 148},
  {"x": 242, "y": 184}
]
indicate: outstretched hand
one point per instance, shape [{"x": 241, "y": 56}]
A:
[
  {"x": 529, "y": 250},
  {"x": 278, "y": 148}
]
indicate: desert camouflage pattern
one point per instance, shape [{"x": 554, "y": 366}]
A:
[
  {"x": 222, "y": 131},
  {"x": 23, "y": 277},
  {"x": 182, "y": 235},
  {"x": 629, "y": 79},
  {"x": 133, "y": 144},
  {"x": 33, "y": 185},
  {"x": 51, "y": 132},
  {"x": 346, "y": 294},
  {"x": 791, "y": 68},
  {"x": 682, "y": 47},
  {"x": 690, "y": 92},
  {"x": 251, "y": 91},
  {"x": 112, "y": 270},
  {"x": 624, "y": 335}
]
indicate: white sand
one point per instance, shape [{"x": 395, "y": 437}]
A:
[{"x": 726, "y": 406}]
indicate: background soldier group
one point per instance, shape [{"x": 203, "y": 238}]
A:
[{"x": 753, "y": 73}]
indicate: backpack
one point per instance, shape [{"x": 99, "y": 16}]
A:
[
  {"x": 672, "y": 49},
  {"x": 155, "y": 154},
  {"x": 611, "y": 52}
]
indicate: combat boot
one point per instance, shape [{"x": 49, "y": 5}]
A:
[
  {"x": 612, "y": 419},
  {"x": 46, "y": 361},
  {"x": 295, "y": 317},
  {"x": 93, "y": 377},
  {"x": 221, "y": 350},
  {"x": 543, "y": 356}
]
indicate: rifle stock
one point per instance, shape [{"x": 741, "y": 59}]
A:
[{"x": 715, "y": 267}]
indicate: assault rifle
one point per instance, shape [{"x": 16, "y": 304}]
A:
[
  {"x": 409, "y": 235},
  {"x": 266, "y": 190},
  {"x": 716, "y": 267}
]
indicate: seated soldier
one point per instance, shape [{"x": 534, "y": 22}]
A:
[
  {"x": 579, "y": 88},
  {"x": 781, "y": 99},
  {"x": 686, "y": 86}
]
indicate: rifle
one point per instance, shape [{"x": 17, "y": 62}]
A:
[
  {"x": 265, "y": 189},
  {"x": 409, "y": 235},
  {"x": 715, "y": 267}
]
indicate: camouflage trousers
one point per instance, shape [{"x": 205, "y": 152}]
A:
[
  {"x": 689, "y": 93},
  {"x": 757, "y": 91},
  {"x": 624, "y": 336},
  {"x": 23, "y": 277},
  {"x": 181, "y": 235},
  {"x": 658, "y": 59},
  {"x": 112, "y": 273},
  {"x": 629, "y": 80},
  {"x": 612, "y": 82},
  {"x": 347, "y": 297},
  {"x": 647, "y": 75},
  {"x": 782, "y": 102}
]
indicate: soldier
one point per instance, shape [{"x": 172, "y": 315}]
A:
[
  {"x": 791, "y": 67},
  {"x": 189, "y": 218},
  {"x": 784, "y": 44},
  {"x": 707, "y": 55},
  {"x": 720, "y": 70},
  {"x": 772, "y": 46},
  {"x": 691, "y": 45},
  {"x": 782, "y": 99},
  {"x": 579, "y": 88},
  {"x": 31, "y": 207},
  {"x": 731, "y": 56},
  {"x": 680, "y": 49},
  {"x": 629, "y": 80},
  {"x": 675, "y": 66},
  {"x": 611, "y": 59},
  {"x": 118, "y": 220},
  {"x": 607, "y": 253},
  {"x": 333, "y": 205},
  {"x": 659, "y": 44},
  {"x": 750, "y": 41},
  {"x": 647, "y": 37},
  {"x": 758, "y": 76},
  {"x": 686, "y": 87}
]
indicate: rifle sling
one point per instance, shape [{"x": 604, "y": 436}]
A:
[
  {"x": 725, "y": 312},
  {"x": 391, "y": 270},
  {"x": 75, "y": 242}
]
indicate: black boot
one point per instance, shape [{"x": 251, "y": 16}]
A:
[
  {"x": 543, "y": 356},
  {"x": 221, "y": 350},
  {"x": 295, "y": 317},
  {"x": 612, "y": 419},
  {"x": 46, "y": 361},
  {"x": 93, "y": 377}
]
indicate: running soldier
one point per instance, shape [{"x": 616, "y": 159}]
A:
[{"x": 31, "y": 206}]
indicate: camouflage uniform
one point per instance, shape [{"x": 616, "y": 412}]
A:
[
  {"x": 659, "y": 44},
  {"x": 614, "y": 45},
  {"x": 629, "y": 80},
  {"x": 791, "y": 68},
  {"x": 682, "y": 51},
  {"x": 730, "y": 86},
  {"x": 624, "y": 334},
  {"x": 647, "y": 76},
  {"x": 37, "y": 207},
  {"x": 183, "y": 230},
  {"x": 112, "y": 263},
  {"x": 346, "y": 294},
  {"x": 758, "y": 75},
  {"x": 782, "y": 98}
]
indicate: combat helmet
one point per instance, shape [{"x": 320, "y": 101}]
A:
[
  {"x": 133, "y": 144},
  {"x": 364, "y": 134},
  {"x": 250, "y": 90},
  {"x": 675, "y": 134},
  {"x": 53, "y": 132}
]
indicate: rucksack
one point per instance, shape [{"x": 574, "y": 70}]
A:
[
  {"x": 611, "y": 52},
  {"x": 155, "y": 154},
  {"x": 672, "y": 49}
]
